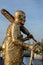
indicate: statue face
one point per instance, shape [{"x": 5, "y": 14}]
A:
[{"x": 20, "y": 17}]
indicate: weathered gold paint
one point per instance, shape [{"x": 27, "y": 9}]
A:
[{"x": 14, "y": 44}]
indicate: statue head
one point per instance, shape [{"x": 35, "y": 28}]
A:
[{"x": 20, "y": 17}]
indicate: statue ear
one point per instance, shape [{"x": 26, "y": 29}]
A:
[{"x": 7, "y": 15}]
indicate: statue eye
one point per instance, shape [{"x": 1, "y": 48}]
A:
[{"x": 21, "y": 17}]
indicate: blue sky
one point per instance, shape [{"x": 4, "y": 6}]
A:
[{"x": 34, "y": 16}]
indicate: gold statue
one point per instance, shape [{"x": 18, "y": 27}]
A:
[{"x": 14, "y": 42}]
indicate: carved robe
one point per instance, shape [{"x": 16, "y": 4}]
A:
[{"x": 13, "y": 53}]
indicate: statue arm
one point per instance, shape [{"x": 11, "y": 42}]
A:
[
  {"x": 16, "y": 41},
  {"x": 25, "y": 46}
]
